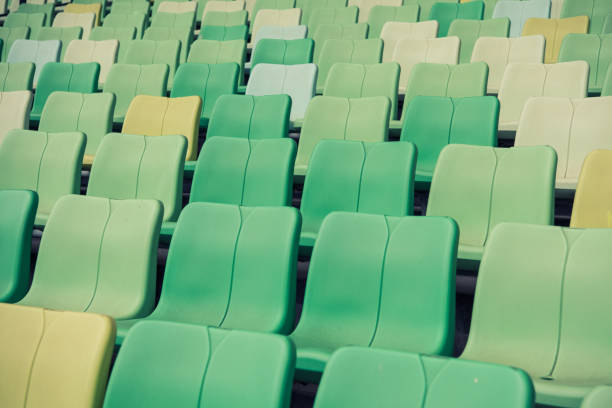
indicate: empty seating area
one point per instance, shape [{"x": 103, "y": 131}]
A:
[{"x": 306, "y": 203}]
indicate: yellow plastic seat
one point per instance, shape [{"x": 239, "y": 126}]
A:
[
  {"x": 593, "y": 200},
  {"x": 95, "y": 8},
  {"x": 555, "y": 30}
]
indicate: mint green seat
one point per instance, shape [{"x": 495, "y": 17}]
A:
[
  {"x": 124, "y": 35},
  {"x": 425, "y": 6},
  {"x": 360, "y": 377},
  {"x": 17, "y": 76},
  {"x": 165, "y": 364},
  {"x": 98, "y": 255},
  {"x": 208, "y": 81},
  {"x": 219, "y": 52},
  {"x": 125, "y": 21},
  {"x": 433, "y": 122},
  {"x": 480, "y": 187},
  {"x": 16, "y": 223},
  {"x": 309, "y": 6},
  {"x": 380, "y": 282},
  {"x": 130, "y": 7},
  {"x": 606, "y": 88},
  {"x": 600, "y": 397},
  {"x": 173, "y": 20},
  {"x": 62, "y": 34},
  {"x": 182, "y": 34},
  {"x": 379, "y": 15},
  {"x": 156, "y": 4},
  {"x": 469, "y": 31},
  {"x": 351, "y": 176},
  {"x": 596, "y": 10},
  {"x": 224, "y": 33},
  {"x": 284, "y": 52},
  {"x": 593, "y": 48},
  {"x": 147, "y": 52},
  {"x": 35, "y": 21},
  {"x": 58, "y": 76},
  {"x": 225, "y": 18},
  {"x": 324, "y": 32},
  {"x": 9, "y": 35},
  {"x": 336, "y": 16},
  {"x": 557, "y": 332},
  {"x": 46, "y": 9},
  {"x": 446, "y": 13},
  {"x": 47, "y": 163}
]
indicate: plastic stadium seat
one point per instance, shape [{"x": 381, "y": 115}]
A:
[
  {"x": 112, "y": 248},
  {"x": 160, "y": 116},
  {"x": 432, "y": 122},
  {"x": 425, "y": 6},
  {"x": 410, "y": 51},
  {"x": 91, "y": 114},
  {"x": 595, "y": 49},
  {"x": 14, "y": 111},
  {"x": 46, "y": 9},
  {"x": 157, "y": 3},
  {"x": 351, "y": 51},
  {"x": 16, "y": 222},
  {"x": 140, "y": 167},
  {"x": 208, "y": 81},
  {"x": 65, "y": 35},
  {"x": 124, "y": 35},
  {"x": 164, "y": 363},
  {"x": 380, "y": 15},
  {"x": 84, "y": 20},
  {"x": 596, "y": 10},
  {"x": 16, "y": 76},
  {"x": 519, "y": 11},
  {"x": 8, "y": 37},
  {"x": 283, "y": 52},
  {"x": 47, "y": 163},
  {"x": 498, "y": 53},
  {"x": 392, "y": 32},
  {"x": 555, "y": 30},
  {"x": 119, "y": 8},
  {"x": 351, "y": 176},
  {"x": 54, "y": 358},
  {"x": 146, "y": 52},
  {"x": 219, "y": 52},
  {"x": 600, "y": 397},
  {"x": 102, "y": 4},
  {"x": 573, "y": 127},
  {"x": 446, "y": 13},
  {"x": 328, "y": 117},
  {"x": 102, "y": 52},
  {"x": 480, "y": 187},
  {"x": 33, "y": 21},
  {"x": 95, "y": 8},
  {"x": 211, "y": 5},
  {"x": 259, "y": 5},
  {"x": 124, "y": 21},
  {"x": 174, "y": 20},
  {"x": 177, "y": 7},
  {"x": 523, "y": 81},
  {"x": 469, "y": 31},
  {"x": 591, "y": 207},
  {"x": 361, "y": 377},
  {"x": 242, "y": 278},
  {"x": 336, "y": 16},
  {"x": 182, "y": 34},
  {"x": 391, "y": 288},
  {"x": 336, "y": 32},
  {"x": 365, "y": 7},
  {"x": 309, "y": 6},
  {"x": 224, "y": 33},
  {"x": 289, "y": 17},
  {"x": 37, "y": 52},
  {"x": 225, "y": 18},
  {"x": 58, "y": 76},
  {"x": 295, "y": 32}
]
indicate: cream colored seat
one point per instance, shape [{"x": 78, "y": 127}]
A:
[
  {"x": 79, "y": 8},
  {"x": 522, "y": 81},
  {"x": 365, "y": 6},
  {"x": 277, "y": 18},
  {"x": 14, "y": 111},
  {"x": 83, "y": 20},
  {"x": 394, "y": 31},
  {"x": 178, "y": 7},
  {"x": 226, "y": 6},
  {"x": 102, "y": 52}
]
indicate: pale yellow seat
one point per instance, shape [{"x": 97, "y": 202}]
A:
[
  {"x": 498, "y": 52},
  {"x": 225, "y": 6},
  {"x": 573, "y": 127},
  {"x": 555, "y": 30},
  {"x": 522, "y": 81},
  {"x": 365, "y": 6},
  {"x": 160, "y": 116},
  {"x": 53, "y": 358},
  {"x": 14, "y": 111},
  {"x": 83, "y": 20},
  {"x": 393, "y": 31},
  {"x": 102, "y": 52},
  {"x": 178, "y": 7},
  {"x": 593, "y": 200},
  {"x": 95, "y": 8},
  {"x": 277, "y": 18}
]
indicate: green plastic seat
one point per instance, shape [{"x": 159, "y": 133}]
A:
[
  {"x": 284, "y": 52},
  {"x": 130, "y": 7},
  {"x": 361, "y": 377},
  {"x": 208, "y": 81},
  {"x": 363, "y": 80},
  {"x": 309, "y": 6},
  {"x": 336, "y": 16},
  {"x": 326, "y": 32},
  {"x": 182, "y": 34},
  {"x": 124, "y": 35},
  {"x": 231, "y": 267},
  {"x": 46, "y": 9},
  {"x": 351, "y": 176},
  {"x": 16, "y": 223},
  {"x": 446, "y": 13},
  {"x": 174, "y": 20},
  {"x": 98, "y": 255},
  {"x": 58, "y": 76},
  {"x": 225, "y": 18},
  {"x": 35, "y": 21},
  {"x": 480, "y": 187},
  {"x": 600, "y": 397},
  {"x": 47, "y": 163},
  {"x": 125, "y": 21},
  {"x": 63, "y": 34},
  {"x": 593, "y": 48},
  {"x": 596, "y": 10},
  {"x": 219, "y": 52},
  {"x": 16, "y": 76},
  {"x": 469, "y": 31},
  {"x": 556, "y": 333},
  {"x": 380, "y": 282},
  {"x": 147, "y": 52},
  {"x": 379, "y": 15},
  {"x": 425, "y": 6},
  {"x": 433, "y": 122},
  {"x": 156, "y": 4},
  {"x": 9, "y": 35},
  {"x": 91, "y": 114},
  {"x": 606, "y": 88},
  {"x": 224, "y": 33},
  {"x": 328, "y": 117},
  {"x": 351, "y": 51},
  {"x": 162, "y": 364}
]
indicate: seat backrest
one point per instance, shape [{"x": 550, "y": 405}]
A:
[
  {"x": 145, "y": 52},
  {"x": 8, "y": 37},
  {"x": 285, "y": 52},
  {"x": 522, "y": 81},
  {"x": 519, "y": 12},
  {"x": 308, "y": 7},
  {"x": 35, "y": 21},
  {"x": 16, "y": 223},
  {"x": 225, "y": 18},
  {"x": 499, "y": 52},
  {"x": 212, "y": 5},
  {"x": 328, "y": 117},
  {"x": 124, "y": 21},
  {"x": 433, "y": 122},
  {"x": 379, "y": 15},
  {"x": 386, "y": 378},
  {"x": 351, "y": 31},
  {"x": 591, "y": 207},
  {"x": 391, "y": 285},
  {"x": 98, "y": 255},
  {"x": 596, "y": 10},
  {"x": 279, "y": 32},
  {"x": 54, "y": 358},
  {"x": 494, "y": 185},
  {"x": 84, "y": 20},
  {"x": 338, "y": 16},
  {"x": 38, "y": 52},
  {"x": 270, "y": 5},
  {"x": 14, "y": 111},
  {"x": 119, "y": 33},
  {"x": 64, "y": 34},
  {"x": 392, "y": 32},
  {"x": 17, "y": 76},
  {"x": 351, "y": 51},
  {"x": 219, "y": 52},
  {"x": 102, "y": 52},
  {"x": 224, "y": 33},
  {"x": 29, "y": 8},
  {"x": 595, "y": 49},
  {"x": 182, "y": 34},
  {"x": 177, "y": 7},
  {"x": 273, "y": 17},
  {"x": 446, "y": 13},
  {"x": 161, "y": 116},
  {"x": 174, "y": 20},
  {"x": 469, "y": 31},
  {"x": 140, "y": 7},
  {"x": 206, "y": 364},
  {"x": 91, "y": 114},
  {"x": 95, "y": 8},
  {"x": 365, "y": 7},
  {"x": 425, "y": 6},
  {"x": 140, "y": 167},
  {"x": 600, "y": 397},
  {"x": 555, "y": 30}
]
